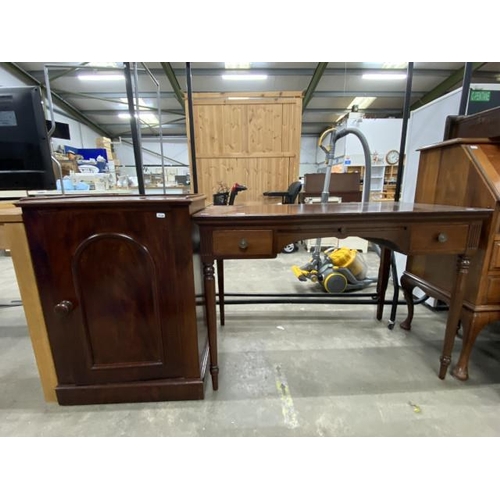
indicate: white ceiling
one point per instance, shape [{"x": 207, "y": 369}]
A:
[{"x": 99, "y": 102}]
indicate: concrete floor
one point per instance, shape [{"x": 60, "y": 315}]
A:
[{"x": 285, "y": 370}]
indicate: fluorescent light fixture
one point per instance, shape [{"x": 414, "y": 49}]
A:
[
  {"x": 98, "y": 77},
  {"x": 148, "y": 118},
  {"x": 237, "y": 65},
  {"x": 384, "y": 76},
  {"x": 142, "y": 103},
  {"x": 361, "y": 102},
  {"x": 106, "y": 64},
  {"x": 244, "y": 77},
  {"x": 142, "y": 116},
  {"x": 394, "y": 65}
]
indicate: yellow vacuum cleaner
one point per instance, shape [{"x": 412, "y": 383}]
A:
[
  {"x": 342, "y": 269},
  {"x": 337, "y": 270}
]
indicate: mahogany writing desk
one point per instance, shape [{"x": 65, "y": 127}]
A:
[{"x": 250, "y": 232}]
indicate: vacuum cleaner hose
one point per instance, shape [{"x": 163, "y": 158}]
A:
[{"x": 368, "y": 158}]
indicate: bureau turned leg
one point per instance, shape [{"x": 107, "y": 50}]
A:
[
  {"x": 407, "y": 285},
  {"x": 210, "y": 305},
  {"x": 454, "y": 313},
  {"x": 472, "y": 324}
]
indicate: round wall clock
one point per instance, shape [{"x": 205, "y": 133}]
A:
[{"x": 392, "y": 157}]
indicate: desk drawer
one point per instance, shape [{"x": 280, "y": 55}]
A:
[
  {"x": 434, "y": 238},
  {"x": 243, "y": 243}
]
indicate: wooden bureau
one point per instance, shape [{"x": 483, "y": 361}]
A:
[{"x": 461, "y": 172}]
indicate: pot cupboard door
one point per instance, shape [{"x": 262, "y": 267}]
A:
[{"x": 108, "y": 301}]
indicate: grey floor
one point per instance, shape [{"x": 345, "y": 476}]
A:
[{"x": 286, "y": 370}]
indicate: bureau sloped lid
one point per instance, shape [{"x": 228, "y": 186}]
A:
[{"x": 486, "y": 158}]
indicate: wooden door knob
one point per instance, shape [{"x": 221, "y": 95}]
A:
[{"x": 63, "y": 308}]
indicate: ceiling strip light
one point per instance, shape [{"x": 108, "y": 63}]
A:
[
  {"x": 244, "y": 77},
  {"x": 237, "y": 65},
  {"x": 361, "y": 102},
  {"x": 101, "y": 77},
  {"x": 145, "y": 117},
  {"x": 384, "y": 76}
]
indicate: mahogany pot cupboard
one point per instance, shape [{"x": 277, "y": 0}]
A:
[{"x": 120, "y": 284}]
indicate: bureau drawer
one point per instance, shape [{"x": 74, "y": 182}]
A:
[
  {"x": 437, "y": 238},
  {"x": 495, "y": 256},
  {"x": 493, "y": 290},
  {"x": 243, "y": 243}
]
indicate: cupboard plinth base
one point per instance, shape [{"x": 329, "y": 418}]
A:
[{"x": 133, "y": 392}]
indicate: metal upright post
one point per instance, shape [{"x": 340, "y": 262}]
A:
[
  {"x": 465, "y": 89},
  {"x": 406, "y": 116},
  {"x": 397, "y": 194},
  {"x": 191, "y": 127},
  {"x": 134, "y": 128},
  {"x": 52, "y": 127}
]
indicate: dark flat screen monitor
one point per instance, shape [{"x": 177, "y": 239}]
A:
[
  {"x": 60, "y": 132},
  {"x": 181, "y": 180},
  {"x": 25, "y": 156}
]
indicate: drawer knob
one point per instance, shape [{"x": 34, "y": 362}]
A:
[
  {"x": 442, "y": 238},
  {"x": 63, "y": 308},
  {"x": 243, "y": 244}
]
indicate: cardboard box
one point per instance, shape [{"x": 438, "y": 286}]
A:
[
  {"x": 102, "y": 142},
  {"x": 68, "y": 166}
]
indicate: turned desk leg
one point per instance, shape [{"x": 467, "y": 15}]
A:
[
  {"x": 454, "y": 314},
  {"x": 220, "y": 287},
  {"x": 209, "y": 281},
  {"x": 383, "y": 280}
]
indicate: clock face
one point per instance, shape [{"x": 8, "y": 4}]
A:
[{"x": 392, "y": 157}]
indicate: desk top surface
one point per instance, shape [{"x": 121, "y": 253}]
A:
[{"x": 345, "y": 210}]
